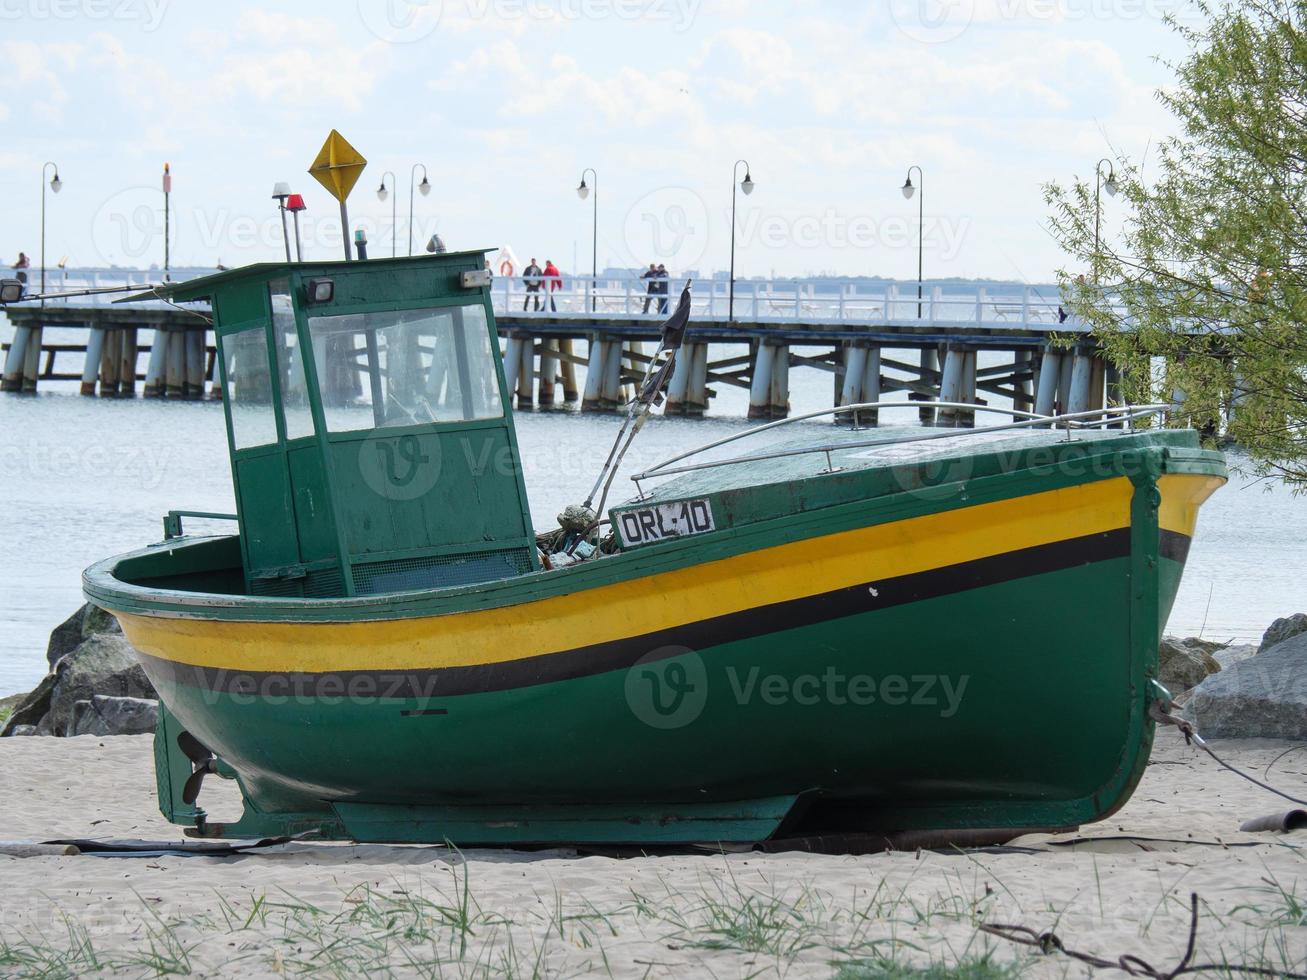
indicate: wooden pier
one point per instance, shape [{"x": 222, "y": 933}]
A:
[
  {"x": 541, "y": 359},
  {"x": 871, "y": 346},
  {"x": 179, "y": 361}
]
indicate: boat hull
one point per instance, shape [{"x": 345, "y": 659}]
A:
[{"x": 976, "y": 659}]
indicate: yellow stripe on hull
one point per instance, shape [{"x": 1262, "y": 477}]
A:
[{"x": 656, "y": 602}]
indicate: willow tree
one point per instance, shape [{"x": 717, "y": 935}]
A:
[{"x": 1208, "y": 275}]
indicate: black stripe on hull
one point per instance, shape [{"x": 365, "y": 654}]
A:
[
  {"x": 868, "y": 596},
  {"x": 1173, "y": 545}
]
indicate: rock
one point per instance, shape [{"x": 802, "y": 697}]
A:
[
  {"x": 1227, "y": 657},
  {"x": 8, "y": 704},
  {"x": 103, "y": 715},
  {"x": 1261, "y": 697},
  {"x": 32, "y": 708},
  {"x": 23, "y": 730},
  {"x": 1283, "y": 629},
  {"x": 104, "y": 664},
  {"x": 80, "y": 626},
  {"x": 1183, "y": 663},
  {"x": 88, "y": 656}
]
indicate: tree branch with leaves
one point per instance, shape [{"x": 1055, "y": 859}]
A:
[{"x": 1204, "y": 288}]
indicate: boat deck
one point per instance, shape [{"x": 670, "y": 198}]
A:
[{"x": 850, "y": 450}]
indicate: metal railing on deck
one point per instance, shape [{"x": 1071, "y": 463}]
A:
[
  {"x": 603, "y": 298},
  {"x": 1115, "y": 415},
  {"x": 815, "y": 301}
]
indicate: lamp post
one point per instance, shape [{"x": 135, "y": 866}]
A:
[
  {"x": 295, "y": 204},
  {"x": 425, "y": 188},
  {"x": 281, "y": 191},
  {"x": 929, "y": 356},
  {"x": 55, "y": 185},
  {"x": 746, "y": 185},
  {"x": 1108, "y": 185},
  {"x": 1113, "y": 393},
  {"x": 908, "y": 191},
  {"x": 583, "y": 191},
  {"x": 167, "y": 207},
  {"x": 382, "y": 194}
]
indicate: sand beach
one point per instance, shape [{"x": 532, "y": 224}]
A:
[{"x": 1119, "y": 887}]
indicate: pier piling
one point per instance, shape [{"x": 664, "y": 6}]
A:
[
  {"x": 32, "y": 359},
  {"x": 156, "y": 367},
  {"x": 548, "y": 373},
  {"x": 1050, "y": 372},
  {"x": 193, "y": 383},
  {"x": 15, "y": 359},
  {"x": 568, "y": 366},
  {"x": 594, "y": 373},
  {"x": 91, "y": 365},
  {"x": 110, "y": 363},
  {"x": 175, "y": 364},
  {"x": 128, "y": 348}
]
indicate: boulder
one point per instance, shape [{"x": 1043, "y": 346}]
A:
[
  {"x": 1283, "y": 629},
  {"x": 31, "y": 709},
  {"x": 1261, "y": 697},
  {"x": 18, "y": 730},
  {"x": 104, "y": 664},
  {"x": 8, "y": 704},
  {"x": 1183, "y": 663},
  {"x": 1227, "y": 657},
  {"x": 104, "y": 715},
  {"x": 80, "y": 626}
]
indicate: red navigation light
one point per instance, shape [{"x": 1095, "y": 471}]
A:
[{"x": 296, "y": 203}]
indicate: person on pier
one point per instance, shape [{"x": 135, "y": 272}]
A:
[
  {"x": 531, "y": 278},
  {"x": 555, "y": 280},
  {"x": 651, "y": 288}
]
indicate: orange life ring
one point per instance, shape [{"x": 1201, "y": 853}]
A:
[{"x": 506, "y": 267}]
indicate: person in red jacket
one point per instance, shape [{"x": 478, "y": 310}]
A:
[{"x": 555, "y": 280}]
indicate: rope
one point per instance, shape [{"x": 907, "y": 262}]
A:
[
  {"x": 1162, "y": 715},
  {"x": 1050, "y": 942}
]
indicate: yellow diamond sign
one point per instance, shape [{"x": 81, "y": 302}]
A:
[{"x": 338, "y": 166}]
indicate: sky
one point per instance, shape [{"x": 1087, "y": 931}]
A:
[{"x": 506, "y": 102}]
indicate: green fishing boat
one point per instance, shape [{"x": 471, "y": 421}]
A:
[{"x": 876, "y": 631}]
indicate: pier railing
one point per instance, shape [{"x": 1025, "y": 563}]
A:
[
  {"x": 815, "y": 301},
  {"x": 606, "y": 298},
  {"x": 872, "y": 338}
]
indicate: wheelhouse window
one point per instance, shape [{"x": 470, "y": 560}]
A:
[
  {"x": 405, "y": 367},
  {"x": 249, "y": 388},
  {"x": 296, "y": 413}
]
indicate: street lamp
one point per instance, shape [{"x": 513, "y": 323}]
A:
[
  {"x": 167, "y": 212},
  {"x": 908, "y": 191},
  {"x": 382, "y": 194},
  {"x": 929, "y": 357},
  {"x": 746, "y": 185},
  {"x": 583, "y": 191},
  {"x": 425, "y": 188},
  {"x": 281, "y": 191},
  {"x": 55, "y": 185},
  {"x": 1109, "y": 185}
]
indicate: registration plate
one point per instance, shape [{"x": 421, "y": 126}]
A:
[{"x": 661, "y": 522}]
